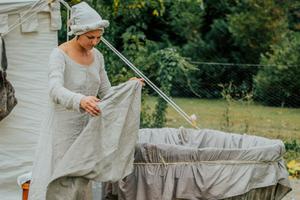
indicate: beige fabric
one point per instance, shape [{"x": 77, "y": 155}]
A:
[
  {"x": 75, "y": 188},
  {"x": 30, "y": 25},
  {"x": 104, "y": 150},
  {"x": 204, "y": 164},
  {"x": 27, "y": 56},
  {"x": 3, "y": 23},
  {"x": 84, "y": 18},
  {"x": 55, "y": 16},
  {"x": 27, "y": 8}
]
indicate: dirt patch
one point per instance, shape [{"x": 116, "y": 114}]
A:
[{"x": 295, "y": 193}]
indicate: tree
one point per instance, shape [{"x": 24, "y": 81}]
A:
[
  {"x": 256, "y": 25},
  {"x": 279, "y": 85}
]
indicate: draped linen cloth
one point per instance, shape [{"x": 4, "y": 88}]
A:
[
  {"x": 103, "y": 150},
  {"x": 204, "y": 164}
]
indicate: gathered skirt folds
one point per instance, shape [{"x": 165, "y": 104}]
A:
[{"x": 102, "y": 151}]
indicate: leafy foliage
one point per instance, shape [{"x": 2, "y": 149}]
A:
[
  {"x": 293, "y": 157},
  {"x": 292, "y": 145},
  {"x": 280, "y": 85},
  {"x": 294, "y": 168},
  {"x": 253, "y": 26},
  {"x": 171, "y": 68}
]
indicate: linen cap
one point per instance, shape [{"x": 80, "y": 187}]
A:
[{"x": 85, "y": 19}]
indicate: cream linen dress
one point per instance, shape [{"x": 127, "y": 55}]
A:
[{"x": 69, "y": 82}]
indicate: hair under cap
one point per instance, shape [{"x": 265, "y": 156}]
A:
[{"x": 85, "y": 19}]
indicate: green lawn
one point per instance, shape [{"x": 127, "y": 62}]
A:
[{"x": 271, "y": 122}]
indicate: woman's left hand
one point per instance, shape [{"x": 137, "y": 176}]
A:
[{"x": 142, "y": 81}]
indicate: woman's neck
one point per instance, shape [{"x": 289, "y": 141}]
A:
[{"x": 77, "y": 47}]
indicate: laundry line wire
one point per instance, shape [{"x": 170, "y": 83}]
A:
[{"x": 237, "y": 64}]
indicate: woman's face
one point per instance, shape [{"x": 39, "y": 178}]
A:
[{"x": 90, "y": 39}]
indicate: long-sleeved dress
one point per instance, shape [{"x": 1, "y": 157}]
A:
[{"x": 69, "y": 82}]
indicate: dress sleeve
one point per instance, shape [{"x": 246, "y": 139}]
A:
[
  {"x": 105, "y": 83},
  {"x": 57, "y": 92}
]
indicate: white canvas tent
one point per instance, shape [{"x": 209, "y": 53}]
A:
[{"x": 28, "y": 47}]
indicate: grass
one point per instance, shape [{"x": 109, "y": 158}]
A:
[{"x": 253, "y": 119}]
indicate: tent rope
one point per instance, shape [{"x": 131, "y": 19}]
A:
[{"x": 224, "y": 162}]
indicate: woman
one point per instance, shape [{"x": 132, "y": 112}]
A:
[{"x": 76, "y": 79}]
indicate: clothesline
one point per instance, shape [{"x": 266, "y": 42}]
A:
[{"x": 237, "y": 64}]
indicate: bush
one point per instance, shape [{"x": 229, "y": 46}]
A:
[
  {"x": 279, "y": 83},
  {"x": 169, "y": 69}
]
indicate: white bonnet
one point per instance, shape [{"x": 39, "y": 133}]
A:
[{"x": 85, "y": 19}]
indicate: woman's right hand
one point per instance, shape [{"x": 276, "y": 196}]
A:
[{"x": 89, "y": 104}]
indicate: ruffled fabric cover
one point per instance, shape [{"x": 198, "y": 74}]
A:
[{"x": 204, "y": 164}]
